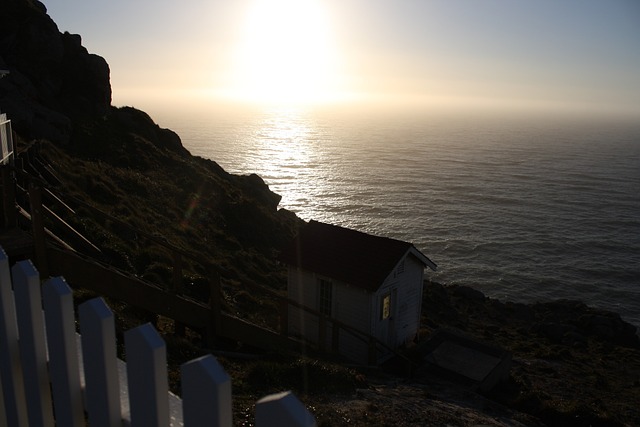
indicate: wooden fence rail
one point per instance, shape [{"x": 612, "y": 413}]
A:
[
  {"x": 206, "y": 318},
  {"x": 46, "y": 368}
]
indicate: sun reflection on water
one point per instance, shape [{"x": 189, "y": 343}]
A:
[
  {"x": 308, "y": 162},
  {"x": 282, "y": 143},
  {"x": 288, "y": 156}
]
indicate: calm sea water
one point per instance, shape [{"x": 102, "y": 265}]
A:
[{"x": 524, "y": 209}]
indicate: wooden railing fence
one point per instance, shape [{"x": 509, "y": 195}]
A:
[
  {"x": 171, "y": 301},
  {"x": 50, "y": 375}
]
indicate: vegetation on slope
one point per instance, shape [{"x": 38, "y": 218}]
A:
[
  {"x": 229, "y": 225},
  {"x": 230, "y": 221}
]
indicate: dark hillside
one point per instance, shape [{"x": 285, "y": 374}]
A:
[{"x": 118, "y": 160}]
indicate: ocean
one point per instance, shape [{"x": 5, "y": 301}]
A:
[{"x": 522, "y": 207}]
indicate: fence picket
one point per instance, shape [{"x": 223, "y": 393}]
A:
[
  {"x": 3, "y": 411},
  {"x": 63, "y": 354},
  {"x": 147, "y": 377},
  {"x": 283, "y": 409},
  {"x": 10, "y": 364},
  {"x": 97, "y": 329},
  {"x": 206, "y": 393},
  {"x": 33, "y": 348}
]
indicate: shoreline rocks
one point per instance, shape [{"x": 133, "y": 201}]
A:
[{"x": 572, "y": 364}]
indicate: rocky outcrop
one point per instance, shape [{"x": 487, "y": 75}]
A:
[
  {"x": 53, "y": 80},
  {"x": 565, "y": 322},
  {"x": 572, "y": 364},
  {"x": 573, "y": 323},
  {"x": 139, "y": 123}
]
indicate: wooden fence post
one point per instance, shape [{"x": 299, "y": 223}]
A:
[
  {"x": 283, "y": 409},
  {"x": 98, "y": 332},
  {"x": 178, "y": 327},
  {"x": 8, "y": 198},
  {"x": 147, "y": 377},
  {"x": 19, "y": 165},
  {"x": 32, "y": 343},
  {"x": 206, "y": 393},
  {"x": 10, "y": 364},
  {"x": 37, "y": 224},
  {"x": 3, "y": 411},
  {"x": 63, "y": 353},
  {"x": 215, "y": 305}
]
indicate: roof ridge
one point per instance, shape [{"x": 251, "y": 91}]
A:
[
  {"x": 363, "y": 233},
  {"x": 348, "y": 255}
]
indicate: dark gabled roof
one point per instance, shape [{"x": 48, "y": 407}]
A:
[{"x": 353, "y": 257}]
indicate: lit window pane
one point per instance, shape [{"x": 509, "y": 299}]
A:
[{"x": 386, "y": 306}]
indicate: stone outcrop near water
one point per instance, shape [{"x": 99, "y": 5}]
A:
[{"x": 572, "y": 364}]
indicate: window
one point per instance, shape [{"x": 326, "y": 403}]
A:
[
  {"x": 324, "y": 299},
  {"x": 385, "y": 311}
]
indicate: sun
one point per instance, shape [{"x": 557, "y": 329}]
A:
[{"x": 286, "y": 54}]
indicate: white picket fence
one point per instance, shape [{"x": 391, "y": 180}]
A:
[
  {"x": 46, "y": 368},
  {"x": 6, "y": 139}
]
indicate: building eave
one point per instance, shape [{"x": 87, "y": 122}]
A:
[{"x": 422, "y": 258}]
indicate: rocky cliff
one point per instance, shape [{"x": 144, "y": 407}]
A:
[
  {"x": 53, "y": 80},
  {"x": 117, "y": 159}
]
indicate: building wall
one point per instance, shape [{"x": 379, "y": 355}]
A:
[
  {"x": 406, "y": 286},
  {"x": 361, "y": 310},
  {"x": 410, "y": 307},
  {"x": 350, "y": 305},
  {"x": 302, "y": 288}
]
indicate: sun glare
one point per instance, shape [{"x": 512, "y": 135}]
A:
[{"x": 286, "y": 54}]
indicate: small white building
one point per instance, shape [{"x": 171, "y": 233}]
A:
[{"x": 368, "y": 283}]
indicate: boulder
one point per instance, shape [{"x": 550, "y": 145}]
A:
[
  {"x": 140, "y": 123},
  {"x": 469, "y": 293}
]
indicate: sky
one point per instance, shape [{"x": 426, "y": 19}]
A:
[{"x": 570, "y": 54}]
